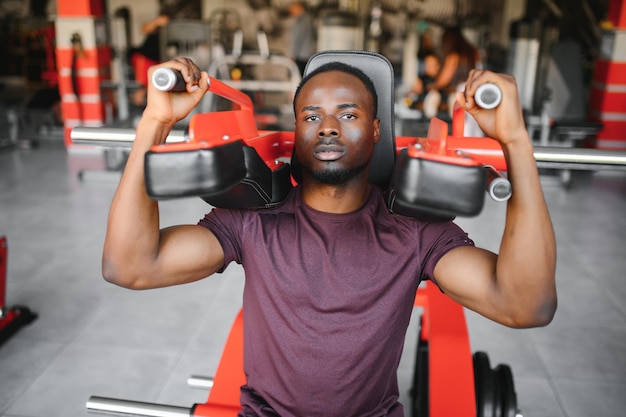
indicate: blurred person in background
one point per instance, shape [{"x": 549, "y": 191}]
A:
[
  {"x": 302, "y": 42},
  {"x": 458, "y": 58},
  {"x": 149, "y": 53}
]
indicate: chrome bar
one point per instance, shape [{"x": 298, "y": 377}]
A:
[
  {"x": 115, "y": 136},
  {"x": 135, "y": 408},
  {"x": 546, "y": 156},
  {"x": 580, "y": 157},
  {"x": 200, "y": 382}
]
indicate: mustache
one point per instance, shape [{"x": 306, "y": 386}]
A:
[{"x": 329, "y": 140}]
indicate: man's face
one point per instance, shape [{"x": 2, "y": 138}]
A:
[{"x": 335, "y": 128}]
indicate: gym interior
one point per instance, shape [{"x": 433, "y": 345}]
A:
[{"x": 66, "y": 126}]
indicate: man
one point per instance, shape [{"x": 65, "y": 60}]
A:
[{"x": 330, "y": 274}]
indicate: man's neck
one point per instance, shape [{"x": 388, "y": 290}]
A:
[{"x": 335, "y": 198}]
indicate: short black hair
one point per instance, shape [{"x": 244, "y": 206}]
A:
[{"x": 348, "y": 69}]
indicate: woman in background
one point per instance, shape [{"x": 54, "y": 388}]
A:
[{"x": 459, "y": 58}]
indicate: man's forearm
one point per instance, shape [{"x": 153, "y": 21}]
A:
[{"x": 527, "y": 257}]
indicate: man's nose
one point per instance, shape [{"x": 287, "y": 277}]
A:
[{"x": 329, "y": 127}]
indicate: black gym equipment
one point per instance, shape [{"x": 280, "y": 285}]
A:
[
  {"x": 494, "y": 387},
  {"x": 11, "y": 319}
]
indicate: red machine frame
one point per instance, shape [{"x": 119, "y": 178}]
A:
[{"x": 14, "y": 318}]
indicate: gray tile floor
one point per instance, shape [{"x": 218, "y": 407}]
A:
[{"x": 92, "y": 338}]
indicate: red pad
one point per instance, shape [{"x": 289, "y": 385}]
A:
[{"x": 224, "y": 396}]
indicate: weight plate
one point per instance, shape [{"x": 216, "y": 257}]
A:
[
  {"x": 507, "y": 395},
  {"x": 419, "y": 391},
  {"x": 484, "y": 385}
]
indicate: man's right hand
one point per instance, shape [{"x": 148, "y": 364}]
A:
[{"x": 169, "y": 107}]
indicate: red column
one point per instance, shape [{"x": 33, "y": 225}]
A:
[
  {"x": 608, "y": 88},
  {"x": 83, "y": 62},
  {"x": 617, "y": 13}
]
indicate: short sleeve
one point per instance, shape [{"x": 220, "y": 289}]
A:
[
  {"x": 227, "y": 226},
  {"x": 437, "y": 239}
]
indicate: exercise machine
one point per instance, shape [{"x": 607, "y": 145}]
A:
[
  {"x": 269, "y": 79},
  {"x": 228, "y": 162},
  {"x": 14, "y": 318}
]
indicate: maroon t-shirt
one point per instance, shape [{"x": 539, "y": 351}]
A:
[{"x": 327, "y": 302}]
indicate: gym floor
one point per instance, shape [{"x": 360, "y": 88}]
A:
[{"x": 92, "y": 338}]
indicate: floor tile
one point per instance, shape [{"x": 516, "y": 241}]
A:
[
  {"x": 63, "y": 388},
  {"x": 159, "y": 319},
  {"x": 582, "y": 298},
  {"x": 583, "y": 399},
  {"x": 535, "y": 397},
  {"x": 583, "y": 353},
  {"x": 22, "y": 362}
]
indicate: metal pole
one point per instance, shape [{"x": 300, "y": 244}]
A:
[
  {"x": 546, "y": 156},
  {"x": 125, "y": 407},
  {"x": 115, "y": 136},
  {"x": 579, "y": 158},
  {"x": 200, "y": 382}
]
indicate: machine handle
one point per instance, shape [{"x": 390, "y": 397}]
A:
[
  {"x": 488, "y": 96},
  {"x": 167, "y": 79},
  {"x": 498, "y": 187}
]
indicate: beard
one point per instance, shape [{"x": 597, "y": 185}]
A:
[{"x": 335, "y": 176}]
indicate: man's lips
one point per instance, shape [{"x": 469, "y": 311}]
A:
[{"x": 328, "y": 152}]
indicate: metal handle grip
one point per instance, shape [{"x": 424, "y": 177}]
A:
[
  {"x": 498, "y": 187},
  {"x": 167, "y": 79},
  {"x": 488, "y": 96}
]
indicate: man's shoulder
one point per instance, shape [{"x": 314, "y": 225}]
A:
[{"x": 286, "y": 205}]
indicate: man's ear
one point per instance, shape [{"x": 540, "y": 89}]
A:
[{"x": 376, "y": 123}]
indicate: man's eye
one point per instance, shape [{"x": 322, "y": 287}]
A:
[
  {"x": 349, "y": 116},
  {"x": 312, "y": 118}
]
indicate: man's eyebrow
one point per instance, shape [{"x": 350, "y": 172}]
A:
[
  {"x": 339, "y": 106},
  {"x": 310, "y": 108}
]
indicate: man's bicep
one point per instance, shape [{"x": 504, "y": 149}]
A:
[
  {"x": 467, "y": 275},
  {"x": 189, "y": 253}
]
